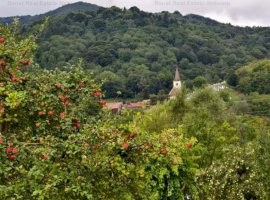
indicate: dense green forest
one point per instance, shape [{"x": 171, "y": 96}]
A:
[
  {"x": 254, "y": 77},
  {"x": 136, "y": 52},
  {"x": 253, "y": 80}
]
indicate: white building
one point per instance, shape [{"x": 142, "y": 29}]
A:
[{"x": 219, "y": 86}]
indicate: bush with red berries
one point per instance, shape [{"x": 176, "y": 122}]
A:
[
  {"x": 37, "y": 101},
  {"x": 56, "y": 141}
]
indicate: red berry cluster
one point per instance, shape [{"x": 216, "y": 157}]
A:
[
  {"x": 26, "y": 62},
  {"x": 51, "y": 113},
  {"x": 96, "y": 93},
  {"x": 132, "y": 135},
  {"x": 2, "y": 40},
  {"x": 45, "y": 156},
  {"x": 64, "y": 100},
  {"x": 163, "y": 151},
  {"x": 86, "y": 145},
  {"x": 40, "y": 113},
  {"x": 81, "y": 85},
  {"x": 75, "y": 123},
  {"x": 125, "y": 145},
  {"x": 189, "y": 145},
  {"x": 103, "y": 102},
  {"x": 10, "y": 73},
  {"x": 10, "y": 150},
  {"x": 62, "y": 115}
]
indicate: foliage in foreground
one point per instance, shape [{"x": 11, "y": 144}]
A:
[
  {"x": 57, "y": 143},
  {"x": 231, "y": 153}
]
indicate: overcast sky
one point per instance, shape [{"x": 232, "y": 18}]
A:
[{"x": 237, "y": 12}]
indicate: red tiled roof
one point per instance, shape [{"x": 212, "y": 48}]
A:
[{"x": 134, "y": 105}]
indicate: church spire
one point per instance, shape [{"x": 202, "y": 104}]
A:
[
  {"x": 176, "y": 84},
  {"x": 177, "y": 76}
]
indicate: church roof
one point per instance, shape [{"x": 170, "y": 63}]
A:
[
  {"x": 174, "y": 91},
  {"x": 177, "y": 76}
]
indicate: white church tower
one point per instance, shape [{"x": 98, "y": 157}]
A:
[{"x": 176, "y": 85}]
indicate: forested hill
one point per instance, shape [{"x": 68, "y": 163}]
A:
[
  {"x": 137, "y": 52},
  {"x": 75, "y": 7}
]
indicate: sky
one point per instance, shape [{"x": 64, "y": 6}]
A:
[{"x": 236, "y": 12}]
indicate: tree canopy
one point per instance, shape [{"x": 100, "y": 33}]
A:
[{"x": 143, "y": 49}]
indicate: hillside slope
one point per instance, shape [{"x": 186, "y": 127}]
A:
[
  {"x": 254, "y": 77},
  {"x": 75, "y": 7},
  {"x": 137, "y": 52}
]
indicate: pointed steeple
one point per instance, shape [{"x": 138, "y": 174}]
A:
[
  {"x": 177, "y": 76},
  {"x": 176, "y": 84}
]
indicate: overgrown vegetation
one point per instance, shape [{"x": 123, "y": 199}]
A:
[{"x": 228, "y": 144}]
